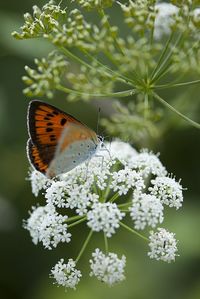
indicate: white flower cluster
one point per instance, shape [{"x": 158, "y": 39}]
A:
[
  {"x": 168, "y": 191},
  {"x": 47, "y": 226},
  {"x": 104, "y": 217},
  {"x": 66, "y": 275},
  {"x": 92, "y": 190},
  {"x": 38, "y": 181},
  {"x": 147, "y": 164},
  {"x": 125, "y": 179},
  {"x": 107, "y": 268},
  {"x": 146, "y": 210},
  {"x": 55, "y": 194},
  {"x": 165, "y": 18},
  {"x": 163, "y": 245},
  {"x": 122, "y": 151}
]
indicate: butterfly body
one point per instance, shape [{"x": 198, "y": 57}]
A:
[{"x": 58, "y": 142}]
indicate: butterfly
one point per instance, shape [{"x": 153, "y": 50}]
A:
[{"x": 58, "y": 142}]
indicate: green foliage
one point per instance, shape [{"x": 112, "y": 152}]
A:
[{"x": 160, "y": 47}]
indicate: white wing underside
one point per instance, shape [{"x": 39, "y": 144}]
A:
[{"x": 74, "y": 154}]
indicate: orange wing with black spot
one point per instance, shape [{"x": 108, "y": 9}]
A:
[
  {"x": 46, "y": 122},
  {"x": 45, "y": 126}
]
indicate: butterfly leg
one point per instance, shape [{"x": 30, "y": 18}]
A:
[
  {"x": 102, "y": 160},
  {"x": 87, "y": 167}
]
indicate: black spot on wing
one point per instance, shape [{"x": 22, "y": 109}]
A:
[
  {"x": 49, "y": 129},
  {"x": 55, "y": 112},
  {"x": 50, "y": 115},
  {"x": 63, "y": 121}
]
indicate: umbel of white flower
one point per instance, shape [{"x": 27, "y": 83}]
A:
[
  {"x": 163, "y": 245},
  {"x": 107, "y": 268},
  {"x": 146, "y": 210},
  {"x": 104, "y": 217},
  {"x": 100, "y": 193},
  {"x": 66, "y": 274},
  {"x": 47, "y": 226}
]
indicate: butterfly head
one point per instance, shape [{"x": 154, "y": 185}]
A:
[
  {"x": 100, "y": 141},
  {"x": 100, "y": 138}
]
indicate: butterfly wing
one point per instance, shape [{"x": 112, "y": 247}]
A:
[
  {"x": 46, "y": 122},
  {"x": 75, "y": 146},
  {"x": 36, "y": 157},
  {"x": 52, "y": 132}
]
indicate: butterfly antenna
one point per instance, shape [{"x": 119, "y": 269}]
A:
[{"x": 98, "y": 119}]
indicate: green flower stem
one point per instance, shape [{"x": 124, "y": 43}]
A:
[
  {"x": 133, "y": 81},
  {"x": 152, "y": 33},
  {"x": 164, "y": 86},
  {"x": 166, "y": 60},
  {"x": 146, "y": 105},
  {"x": 119, "y": 94},
  {"x": 163, "y": 72},
  {"x": 96, "y": 190},
  {"x": 106, "y": 242},
  {"x": 119, "y": 76},
  {"x": 102, "y": 14},
  {"x": 115, "y": 196},
  {"x": 133, "y": 231},
  {"x": 169, "y": 66},
  {"x": 74, "y": 57},
  {"x": 162, "y": 54},
  {"x": 125, "y": 205},
  {"x": 74, "y": 218},
  {"x": 84, "y": 246},
  {"x": 193, "y": 123},
  {"x": 77, "y": 222},
  {"x": 107, "y": 191}
]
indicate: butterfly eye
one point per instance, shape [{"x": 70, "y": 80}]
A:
[{"x": 100, "y": 138}]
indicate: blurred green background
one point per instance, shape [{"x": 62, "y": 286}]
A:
[{"x": 24, "y": 268}]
